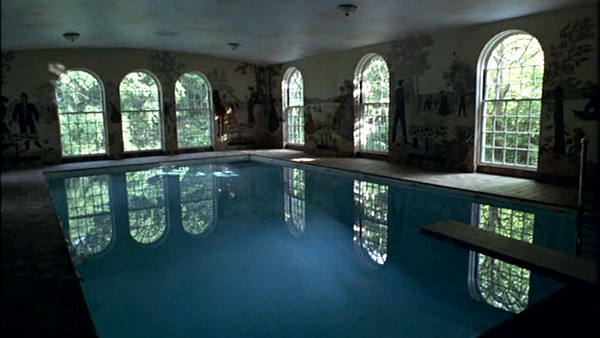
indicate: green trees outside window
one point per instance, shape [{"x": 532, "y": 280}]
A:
[
  {"x": 511, "y": 106},
  {"x": 140, "y": 111},
  {"x": 193, "y": 111},
  {"x": 81, "y": 113},
  {"x": 293, "y": 106},
  {"x": 373, "y": 113}
]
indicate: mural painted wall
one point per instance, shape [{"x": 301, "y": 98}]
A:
[
  {"x": 35, "y": 72},
  {"x": 432, "y": 112}
]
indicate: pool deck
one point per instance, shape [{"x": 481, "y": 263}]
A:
[{"x": 41, "y": 295}]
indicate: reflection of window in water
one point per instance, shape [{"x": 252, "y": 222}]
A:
[
  {"x": 491, "y": 280},
  {"x": 198, "y": 207},
  {"x": 146, "y": 206},
  {"x": 371, "y": 220},
  {"x": 294, "y": 205},
  {"x": 89, "y": 218}
]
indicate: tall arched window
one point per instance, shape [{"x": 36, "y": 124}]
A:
[
  {"x": 293, "y": 107},
  {"x": 80, "y": 100},
  {"x": 373, "y": 79},
  {"x": 294, "y": 200},
  {"x": 510, "y": 76},
  {"x": 146, "y": 206},
  {"x": 89, "y": 214},
  {"x": 371, "y": 221},
  {"x": 491, "y": 280},
  {"x": 140, "y": 110},
  {"x": 193, "y": 111}
]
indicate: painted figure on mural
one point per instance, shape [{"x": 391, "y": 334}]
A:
[
  {"x": 5, "y": 131},
  {"x": 444, "y": 108},
  {"x": 591, "y": 110},
  {"x": 344, "y": 114},
  {"x": 309, "y": 125},
  {"x": 219, "y": 112},
  {"x": 26, "y": 114},
  {"x": 253, "y": 100},
  {"x": 400, "y": 113},
  {"x": 272, "y": 118}
]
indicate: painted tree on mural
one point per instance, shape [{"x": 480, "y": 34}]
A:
[
  {"x": 563, "y": 59},
  {"x": 7, "y": 58},
  {"x": 409, "y": 60},
  {"x": 460, "y": 76}
]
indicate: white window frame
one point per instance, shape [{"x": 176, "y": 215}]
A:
[
  {"x": 359, "y": 93},
  {"x": 287, "y": 108},
  {"x": 480, "y": 134}
]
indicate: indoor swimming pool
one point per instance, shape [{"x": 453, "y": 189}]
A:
[{"x": 251, "y": 249}]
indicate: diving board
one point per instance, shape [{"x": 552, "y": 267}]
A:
[{"x": 529, "y": 256}]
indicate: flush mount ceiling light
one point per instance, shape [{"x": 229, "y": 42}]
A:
[
  {"x": 347, "y": 9},
  {"x": 233, "y": 45},
  {"x": 166, "y": 33},
  {"x": 71, "y": 36}
]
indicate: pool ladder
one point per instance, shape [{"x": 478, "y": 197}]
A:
[{"x": 587, "y": 227}]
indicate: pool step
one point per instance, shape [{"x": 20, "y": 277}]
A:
[
  {"x": 589, "y": 231},
  {"x": 551, "y": 262}
]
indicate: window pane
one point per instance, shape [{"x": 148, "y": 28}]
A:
[
  {"x": 140, "y": 109},
  {"x": 373, "y": 117},
  {"x": 193, "y": 111},
  {"x": 80, "y": 100},
  {"x": 293, "y": 92},
  {"x": 514, "y": 75}
]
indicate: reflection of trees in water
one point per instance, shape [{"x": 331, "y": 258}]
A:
[
  {"x": 371, "y": 219},
  {"x": 146, "y": 206},
  {"x": 90, "y": 227},
  {"x": 498, "y": 283},
  {"x": 294, "y": 200},
  {"x": 198, "y": 209}
]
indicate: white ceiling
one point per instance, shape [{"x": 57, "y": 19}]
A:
[{"x": 269, "y": 31}]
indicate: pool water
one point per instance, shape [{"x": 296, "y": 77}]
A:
[{"x": 249, "y": 249}]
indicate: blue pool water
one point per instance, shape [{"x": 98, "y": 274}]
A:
[{"x": 248, "y": 249}]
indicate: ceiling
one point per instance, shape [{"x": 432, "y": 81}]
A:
[{"x": 268, "y": 31}]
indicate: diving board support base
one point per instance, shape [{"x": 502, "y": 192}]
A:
[{"x": 547, "y": 261}]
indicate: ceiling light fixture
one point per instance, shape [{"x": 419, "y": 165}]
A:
[
  {"x": 347, "y": 9},
  {"x": 71, "y": 36},
  {"x": 233, "y": 45}
]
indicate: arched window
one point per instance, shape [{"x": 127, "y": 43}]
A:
[
  {"x": 491, "y": 280},
  {"x": 198, "y": 199},
  {"x": 372, "y": 77},
  {"x": 90, "y": 225},
  {"x": 146, "y": 206},
  {"x": 193, "y": 111},
  {"x": 294, "y": 200},
  {"x": 371, "y": 220},
  {"x": 510, "y": 76},
  {"x": 140, "y": 110},
  {"x": 81, "y": 112},
  {"x": 293, "y": 107}
]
